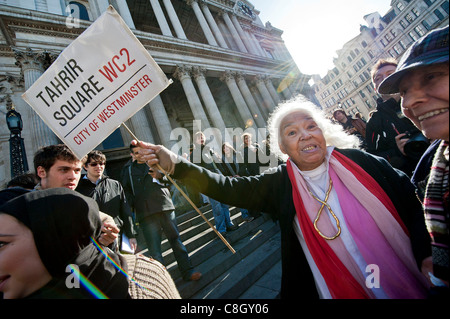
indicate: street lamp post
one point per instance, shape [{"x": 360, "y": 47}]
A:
[{"x": 18, "y": 158}]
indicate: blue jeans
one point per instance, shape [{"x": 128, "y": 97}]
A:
[
  {"x": 221, "y": 213},
  {"x": 152, "y": 228},
  {"x": 244, "y": 213}
]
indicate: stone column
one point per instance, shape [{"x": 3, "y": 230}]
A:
[
  {"x": 203, "y": 24},
  {"x": 183, "y": 73},
  {"x": 247, "y": 118},
  {"x": 102, "y": 5},
  {"x": 215, "y": 29},
  {"x": 32, "y": 65},
  {"x": 98, "y": 7},
  {"x": 272, "y": 91},
  {"x": 250, "y": 41},
  {"x": 234, "y": 32},
  {"x": 124, "y": 11},
  {"x": 267, "y": 99},
  {"x": 257, "y": 44},
  {"x": 242, "y": 34},
  {"x": 253, "y": 106},
  {"x": 174, "y": 19},
  {"x": 162, "y": 22},
  {"x": 162, "y": 121},
  {"x": 208, "y": 99},
  {"x": 141, "y": 127},
  {"x": 283, "y": 87},
  {"x": 259, "y": 101}
]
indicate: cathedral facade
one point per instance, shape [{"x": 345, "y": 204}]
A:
[{"x": 229, "y": 70}]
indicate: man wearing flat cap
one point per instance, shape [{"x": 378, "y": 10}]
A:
[{"x": 422, "y": 79}]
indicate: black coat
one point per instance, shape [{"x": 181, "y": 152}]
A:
[
  {"x": 145, "y": 196},
  {"x": 380, "y": 135},
  {"x": 110, "y": 197},
  {"x": 271, "y": 192}
]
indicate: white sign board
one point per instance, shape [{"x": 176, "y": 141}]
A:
[{"x": 98, "y": 82}]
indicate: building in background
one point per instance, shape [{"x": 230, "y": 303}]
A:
[
  {"x": 229, "y": 69},
  {"x": 348, "y": 85}
]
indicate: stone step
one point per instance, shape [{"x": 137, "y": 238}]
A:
[
  {"x": 221, "y": 259},
  {"x": 208, "y": 243},
  {"x": 244, "y": 274},
  {"x": 267, "y": 287},
  {"x": 195, "y": 226}
]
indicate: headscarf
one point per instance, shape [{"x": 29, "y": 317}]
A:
[{"x": 65, "y": 225}]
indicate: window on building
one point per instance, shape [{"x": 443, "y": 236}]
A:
[
  {"x": 383, "y": 42},
  {"x": 366, "y": 75},
  {"x": 392, "y": 53},
  {"x": 420, "y": 30},
  {"x": 415, "y": 12},
  {"x": 114, "y": 140},
  {"x": 398, "y": 49},
  {"x": 364, "y": 44},
  {"x": 270, "y": 54},
  {"x": 429, "y": 2},
  {"x": 409, "y": 18},
  {"x": 403, "y": 44},
  {"x": 403, "y": 24},
  {"x": 352, "y": 54},
  {"x": 78, "y": 10},
  {"x": 356, "y": 51},
  {"x": 388, "y": 37},
  {"x": 400, "y": 6},
  {"x": 444, "y": 6},
  {"x": 426, "y": 25},
  {"x": 439, "y": 14},
  {"x": 413, "y": 36}
]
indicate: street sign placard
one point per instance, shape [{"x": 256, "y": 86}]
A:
[{"x": 98, "y": 82}]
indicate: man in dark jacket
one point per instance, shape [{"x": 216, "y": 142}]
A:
[
  {"x": 422, "y": 78},
  {"x": 387, "y": 131},
  {"x": 152, "y": 203},
  {"x": 108, "y": 193},
  {"x": 354, "y": 126}
]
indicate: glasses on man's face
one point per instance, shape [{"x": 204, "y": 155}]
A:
[{"x": 95, "y": 164}]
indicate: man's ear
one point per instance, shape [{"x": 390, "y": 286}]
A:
[
  {"x": 40, "y": 171},
  {"x": 282, "y": 149}
]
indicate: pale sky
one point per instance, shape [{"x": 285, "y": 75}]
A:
[{"x": 315, "y": 29}]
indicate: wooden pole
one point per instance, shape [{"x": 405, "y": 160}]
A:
[{"x": 186, "y": 197}]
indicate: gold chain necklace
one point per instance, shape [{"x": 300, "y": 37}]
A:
[{"x": 324, "y": 203}]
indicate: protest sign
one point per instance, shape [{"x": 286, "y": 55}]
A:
[{"x": 98, "y": 82}]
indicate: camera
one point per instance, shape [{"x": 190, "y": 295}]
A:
[{"x": 416, "y": 145}]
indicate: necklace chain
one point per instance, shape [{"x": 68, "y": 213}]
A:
[{"x": 324, "y": 203}]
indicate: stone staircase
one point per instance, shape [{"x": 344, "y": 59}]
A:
[{"x": 226, "y": 275}]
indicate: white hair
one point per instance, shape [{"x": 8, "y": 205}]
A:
[{"x": 334, "y": 133}]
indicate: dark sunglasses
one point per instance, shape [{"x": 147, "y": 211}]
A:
[{"x": 95, "y": 164}]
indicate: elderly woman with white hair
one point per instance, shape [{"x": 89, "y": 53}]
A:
[{"x": 351, "y": 226}]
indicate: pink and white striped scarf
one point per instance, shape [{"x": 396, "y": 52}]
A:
[{"x": 375, "y": 226}]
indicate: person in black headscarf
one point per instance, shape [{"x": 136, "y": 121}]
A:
[{"x": 41, "y": 233}]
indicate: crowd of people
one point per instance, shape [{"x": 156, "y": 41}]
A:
[{"x": 348, "y": 195}]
